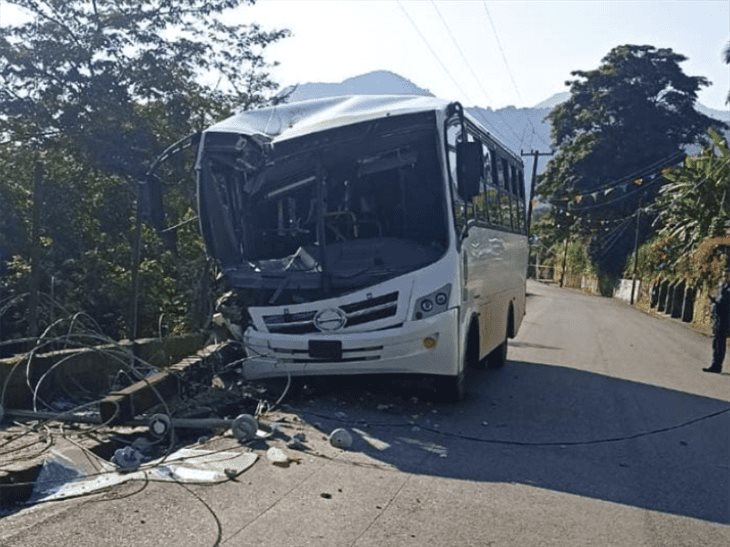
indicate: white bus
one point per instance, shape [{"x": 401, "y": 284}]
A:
[{"x": 367, "y": 235}]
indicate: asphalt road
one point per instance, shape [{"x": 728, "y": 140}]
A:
[{"x": 595, "y": 433}]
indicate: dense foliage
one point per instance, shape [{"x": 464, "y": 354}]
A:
[
  {"x": 94, "y": 91},
  {"x": 623, "y": 123},
  {"x": 694, "y": 218}
]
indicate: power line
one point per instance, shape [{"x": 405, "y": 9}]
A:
[
  {"x": 509, "y": 71},
  {"x": 617, "y": 198},
  {"x": 639, "y": 173},
  {"x": 433, "y": 52},
  {"x": 471, "y": 69}
]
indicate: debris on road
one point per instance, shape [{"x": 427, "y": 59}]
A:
[
  {"x": 73, "y": 472},
  {"x": 127, "y": 459},
  {"x": 244, "y": 427},
  {"x": 277, "y": 456},
  {"x": 297, "y": 442},
  {"x": 340, "y": 438}
]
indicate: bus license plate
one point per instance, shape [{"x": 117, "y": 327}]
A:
[{"x": 330, "y": 350}]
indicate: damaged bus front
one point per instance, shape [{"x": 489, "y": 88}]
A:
[{"x": 333, "y": 221}]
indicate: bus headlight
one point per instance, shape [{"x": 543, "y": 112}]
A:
[{"x": 433, "y": 303}]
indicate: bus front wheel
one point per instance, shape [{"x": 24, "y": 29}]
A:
[
  {"x": 450, "y": 389},
  {"x": 498, "y": 357}
]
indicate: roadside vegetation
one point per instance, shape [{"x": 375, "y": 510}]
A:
[
  {"x": 635, "y": 164},
  {"x": 90, "y": 94}
]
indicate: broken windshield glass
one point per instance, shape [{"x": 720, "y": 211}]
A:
[{"x": 348, "y": 204}]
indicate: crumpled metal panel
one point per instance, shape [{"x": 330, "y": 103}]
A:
[{"x": 292, "y": 120}]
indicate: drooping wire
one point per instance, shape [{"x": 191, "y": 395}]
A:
[
  {"x": 624, "y": 179},
  {"x": 473, "y": 72},
  {"x": 433, "y": 52},
  {"x": 509, "y": 72}
]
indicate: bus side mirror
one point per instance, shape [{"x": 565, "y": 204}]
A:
[{"x": 470, "y": 167}]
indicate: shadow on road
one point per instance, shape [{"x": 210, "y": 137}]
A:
[{"x": 496, "y": 435}]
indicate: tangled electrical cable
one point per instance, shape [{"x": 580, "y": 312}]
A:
[
  {"x": 508, "y": 442},
  {"x": 81, "y": 333}
]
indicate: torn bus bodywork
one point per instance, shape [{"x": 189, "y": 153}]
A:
[
  {"x": 330, "y": 228},
  {"x": 323, "y": 214}
]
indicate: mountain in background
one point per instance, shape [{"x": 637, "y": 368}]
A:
[
  {"x": 518, "y": 128},
  {"x": 380, "y": 82}
]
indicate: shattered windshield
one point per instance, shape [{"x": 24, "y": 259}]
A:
[{"x": 363, "y": 200}]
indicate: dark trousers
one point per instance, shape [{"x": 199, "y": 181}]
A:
[{"x": 719, "y": 346}]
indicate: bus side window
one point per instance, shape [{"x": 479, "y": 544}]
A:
[
  {"x": 453, "y": 136},
  {"x": 515, "y": 198},
  {"x": 493, "y": 203},
  {"x": 521, "y": 190},
  {"x": 478, "y": 208},
  {"x": 504, "y": 198}
]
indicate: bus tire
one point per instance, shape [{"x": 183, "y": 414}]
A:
[
  {"x": 471, "y": 357},
  {"x": 450, "y": 389},
  {"x": 498, "y": 357}
]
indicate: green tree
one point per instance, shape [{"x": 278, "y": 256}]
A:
[
  {"x": 695, "y": 204},
  {"x": 95, "y": 90},
  {"x": 635, "y": 110}
]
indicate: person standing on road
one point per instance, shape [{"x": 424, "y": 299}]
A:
[{"x": 720, "y": 323}]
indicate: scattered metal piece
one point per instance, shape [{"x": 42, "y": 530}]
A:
[
  {"x": 297, "y": 442},
  {"x": 296, "y": 445},
  {"x": 127, "y": 459},
  {"x": 244, "y": 427},
  {"x": 159, "y": 425},
  {"x": 340, "y": 438}
]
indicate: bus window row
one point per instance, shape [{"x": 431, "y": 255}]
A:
[{"x": 501, "y": 200}]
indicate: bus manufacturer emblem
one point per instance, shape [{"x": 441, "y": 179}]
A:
[{"x": 330, "y": 319}]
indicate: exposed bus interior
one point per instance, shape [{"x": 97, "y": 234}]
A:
[{"x": 327, "y": 212}]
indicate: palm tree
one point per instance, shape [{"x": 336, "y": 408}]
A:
[{"x": 695, "y": 204}]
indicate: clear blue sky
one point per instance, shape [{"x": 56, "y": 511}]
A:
[{"x": 541, "y": 40}]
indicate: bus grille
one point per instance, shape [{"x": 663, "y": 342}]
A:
[{"x": 358, "y": 313}]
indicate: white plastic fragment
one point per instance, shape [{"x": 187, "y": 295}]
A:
[
  {"x": 340, "y": 438},
  {"x": 277, "y": 456},
  {"x": 73, "y": 471}
]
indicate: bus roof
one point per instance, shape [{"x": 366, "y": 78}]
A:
[{"x": 291, "y": 120}]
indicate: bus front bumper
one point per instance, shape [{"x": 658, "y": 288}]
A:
[{"x": 391, "y": 351}]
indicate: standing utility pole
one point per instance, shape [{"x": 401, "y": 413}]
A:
[
  {"x": 565, "y": 260},
  {"x": 35, "y": 249},
  {"x": 636, "y": 253},
  {"x": 535, "y": 155},
  {"x": 533, "y": 181}
]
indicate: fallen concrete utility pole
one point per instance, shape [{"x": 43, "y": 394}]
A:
[
  {"x": 122, "y": 406},
  {"x": 244, "y": 426}
]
